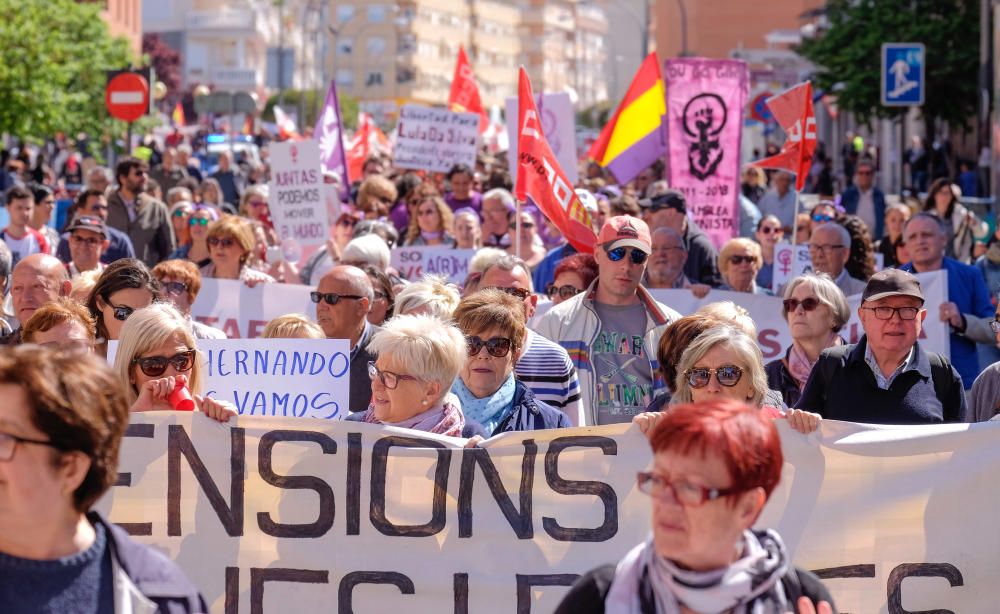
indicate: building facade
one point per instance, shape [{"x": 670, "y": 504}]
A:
[{"x": 124, "y": 18}]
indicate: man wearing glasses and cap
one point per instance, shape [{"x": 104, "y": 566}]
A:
[
  {"x": 887, "y": 377},
  {"x": 668, "y": 209},
  {"x": 611, "y": 330}
]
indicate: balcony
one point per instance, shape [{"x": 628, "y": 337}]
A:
[{"x": 225, "y": 19}]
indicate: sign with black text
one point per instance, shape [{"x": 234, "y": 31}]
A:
[
  {"x": 414, "y": 262},
  {"x": 435, "y": 139},
  {"x": 297, "y": 196}
]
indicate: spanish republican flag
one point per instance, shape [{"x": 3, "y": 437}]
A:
[
  {"x": 635, "y": 136},
  {"x": 177, "y": 117}
]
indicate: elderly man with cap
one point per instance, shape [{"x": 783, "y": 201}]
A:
[
  {"x": 611, "y": 331},
  {"x": 88, "y": 240},
  {"x": 668, "y": 209},
  {"x": 887, "y": 377}
]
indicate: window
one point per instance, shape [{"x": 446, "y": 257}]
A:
[
  {"x": 375, "y": 45},
  {"x": 280, "y": 78},
  {"x": 376, "y": 13},
  {"x": 374, "y": 79},
  {"x": 345, "y": 12},
  {"x": 345, "y": 46},
  {"x": 345, "y": 77}
]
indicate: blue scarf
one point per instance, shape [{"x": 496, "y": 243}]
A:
[{"x": 487, "y": 411}]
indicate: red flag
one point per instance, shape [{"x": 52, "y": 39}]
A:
[
  {"x": 539, "y": 176},
  {"x": 793, "y": 110},
  {"x": 368, "y": 139},
  {"x": 464, "y": 96}
]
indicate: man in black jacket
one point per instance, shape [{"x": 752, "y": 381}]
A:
[{"x": 668, "y": 209}]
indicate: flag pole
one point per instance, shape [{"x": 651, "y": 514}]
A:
[{"x": 517, "y": 227}]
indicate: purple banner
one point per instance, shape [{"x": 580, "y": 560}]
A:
[
  {"x": 705, "y": 101},
  {"x": 329, "y": 133}
]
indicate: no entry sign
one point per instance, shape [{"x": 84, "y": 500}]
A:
[{"x": 127, "y": 96}]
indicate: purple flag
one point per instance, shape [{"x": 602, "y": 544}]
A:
[{"x": 329, "y": 133}]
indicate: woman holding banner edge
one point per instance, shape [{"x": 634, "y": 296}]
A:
[{"x": 707, "y": 491}]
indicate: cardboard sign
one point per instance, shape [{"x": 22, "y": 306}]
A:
[
  {"x": 435, "y": 139},
  {"x": 297, "y": 196},
  {"x": 555, "y": 112},
  {"x": 413, "y": 262},
  {"x": 242, "y": 312}
]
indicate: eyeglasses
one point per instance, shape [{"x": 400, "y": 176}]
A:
[
  {"x": 683, "y": 492},
  {"x": 995, "y": 325},
  {"x": 139, "y": 172},
  {"x": 181, "y": 213},
  {"x": 808, "y": 304},
  {"x": 726, "y": 375},
  {"x": 98, "y": 207},
  {"x": 824, "y": 249},
  {"x": 886, "y": 313},
  {"x": 389, "y": 379},
  {"x": 742, "y": 260},
  {"x": 174, "y": 287},
  {"x": 155, "y": 366},
  {"x": 822, "y": 218},
  {"x": 348, "y": 222},
  {"x": 8, "y": 443},
  {"x": 523, "y": 225},
  {"x": 427, "y": 212},
  {"x": 86, "y": 241},
  {"x": 332, "y": 298},
  {"x": 225, "y": 243},
  {"x": 497, "y": 347},
  {"x": 122, "y": 312},
  {"x": 520, "y": 293},
  {"x": 863, "y": 173},
  {"x": 564, "y": 292},
  {"x": 196, "y": 221},
  {"x": 616, "y": 254},
  {"x": 771, "y": 229}
]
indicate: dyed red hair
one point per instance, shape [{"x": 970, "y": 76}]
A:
[
  {"x": 744, "y": 436},
  {"x": 583, "y": 265}
]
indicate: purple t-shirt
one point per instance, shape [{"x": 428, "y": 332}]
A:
[
  {"x": 475, "y": 202},
  {"x": 400, "y": 217}
]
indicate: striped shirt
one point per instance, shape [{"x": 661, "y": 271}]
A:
[{"x": 546, "y": 369}]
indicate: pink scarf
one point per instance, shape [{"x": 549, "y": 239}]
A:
[
  {"x": 445, "y": 419},
  {"x": 799, "y": 364}
]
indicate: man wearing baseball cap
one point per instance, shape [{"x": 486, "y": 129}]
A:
[
  {"x": 88, "y": 240},
  {"x": 611, "y": 330},
  {"x": 887, "y": 377}
]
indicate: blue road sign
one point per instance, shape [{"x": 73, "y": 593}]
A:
[{"x": 903, "y": 80}]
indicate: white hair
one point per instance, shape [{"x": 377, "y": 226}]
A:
[
  {"x": 430, "y": 349},
  {"x": 368, "y": 249},
  {"x": 432, "y": 294}
]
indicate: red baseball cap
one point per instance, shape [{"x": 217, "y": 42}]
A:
[{"x": 625, "y": 231}]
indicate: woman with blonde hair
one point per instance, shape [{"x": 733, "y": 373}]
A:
[
  {"x": 739, "y": 261},
  {"x": 157, "y": 354},
  {"x": 430, "y": 224},
  {"x": 292, "y": 326},
  {"x": 375, "y": 196},
  {"x": 432, "y": 295},
  {"x": 231, "y": 243}
]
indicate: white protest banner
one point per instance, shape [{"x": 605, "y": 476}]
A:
[
  {"x": 242, "y": 312},
  {"x": 790, "y": 261},
  {"x": 412, "y": 262},
  {"x": 272, "y": 515},
  {"x": 291, "y": 378},
  {"x": 773, "y": 335},
  {"x": 558, "y": 125},
  {"x": 297, "y": 196},
  {"x": 435, "y": 139}
]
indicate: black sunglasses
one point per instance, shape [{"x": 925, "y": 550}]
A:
[
  {"x": 616, "y": 254},
  {"x": 332, "y": 298},
  {"x": 225, "y": 243},
  {"x": 808, "y": 304},
  {"x": 737, "y": 260},
  {"x": 495, "y": 346},
  {"x": 122, "y": 312},
  {"x": 564, "y": 292},
  {"x": 155, "y": 366},
  {"x": 727, "y": 375}
]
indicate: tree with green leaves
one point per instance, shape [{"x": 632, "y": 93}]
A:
[
  {"x": 53, "y": 58},
  {"x": 848, "y": 55}
]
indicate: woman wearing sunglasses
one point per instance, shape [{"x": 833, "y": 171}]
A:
[
  {"x": 418, "y": 357},
  {"x": 739, "y": 261},
  {"x": 815, "y": 310},
  {"x": 180, "y": 213},
  {"x": 230, "y": 244},
  {"x": 157, "y": 353},
  {"x": 196, "y": 250},
  {"x": 253, "y": 205},
  {"x": 124, "y": 286},
  {"x": 769, "y": 233},
  {"x": 532, "y": 249},
  {"x": 715, "y": 464},
  {"x": 430, "y": 223},
  {"x": 494, "y": 328},
  {"x": 573, "y": 275}
]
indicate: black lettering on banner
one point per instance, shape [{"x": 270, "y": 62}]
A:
[
  {"x": 846, "y": 571},
  {"x": 519, "y": 519},
  {"x": 327, "y": 508},
  {"x": 353, "y": 496},
  {"x": 232, "y": 605},
  {"x": 231, "y": 516},
  {"x": 525, "y": 582},
  {"x": 609, "y": 528},
  {"x": 259, "y": 576},
  {"x": 460, "y": 586},
  {"x": 380, "y": 462},
  {"x": 146, "y": 431},
  {"x": 346, "y": 590},
  {"x": 894, "y": 590}
]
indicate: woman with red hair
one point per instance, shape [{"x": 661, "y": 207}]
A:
[
  {"x": 714, "y": 466},
  {"x": 573, "y": 275}
]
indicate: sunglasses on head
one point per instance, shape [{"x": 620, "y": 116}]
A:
[
  {"x": 332, "y": 298},
  {"x": 155, "y": 366},
  {"x": 808, "y": 304},
  {"x": 566, "y": 291},
  {"x": 199, "y": 221},
  {"x": 742, "y": 260},
  {"x": 726, "y": 375},
  {"x": 226, "y": 243},
  {"x": 496, "y": 346},
  {"x": 616, "y": 254}
]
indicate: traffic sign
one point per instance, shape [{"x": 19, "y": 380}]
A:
[
  {"x": 758, "y": 107},
  {"x": 127, "y": 96},
  {"x": 903, "y": 81}
]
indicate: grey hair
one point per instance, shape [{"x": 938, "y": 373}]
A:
[
  {"x": 743, "y": 345},
  {"x": 673, "y": 234},
  {"x": 484, "y": 259},
  {"x": 828, "y": 294},
  {"x": 509, "y": 262},
  {"x": 367, "y": 249},
  {"x": 433, "y": 292},
  {"x": 845, "y": 236},
  {"x": 732, "y": 314},
  {"x": 503, "y": 196},
  {"x": 657, "y": 188},
  {"x": 923, "y": 215}
]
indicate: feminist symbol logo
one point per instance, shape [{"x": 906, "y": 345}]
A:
[
  {"x": 785, "y": 261},
  {"x": 703, "y": 119}
]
